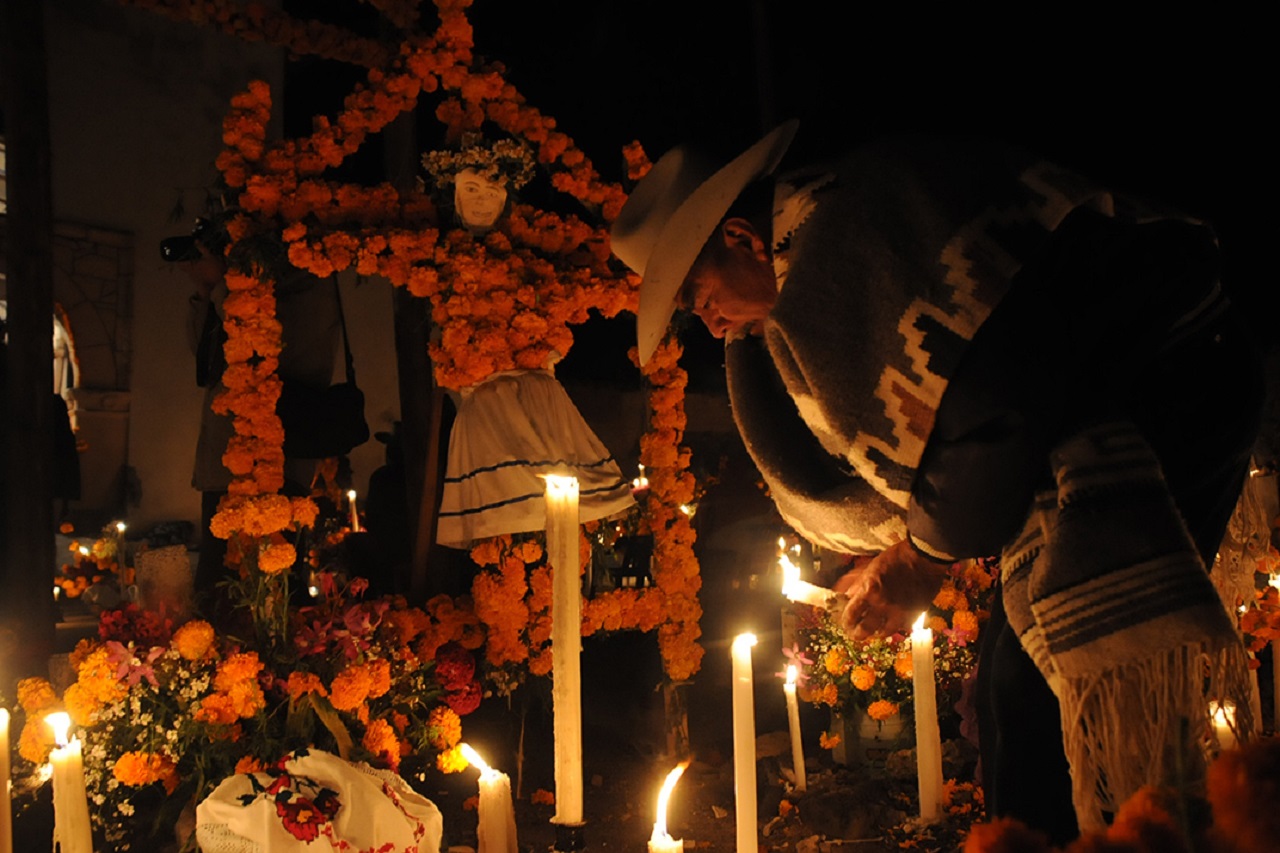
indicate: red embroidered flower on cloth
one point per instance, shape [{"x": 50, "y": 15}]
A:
[{"x": 302, "y": 816}]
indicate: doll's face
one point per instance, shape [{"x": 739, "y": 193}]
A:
[{"x": 478, "y": 200}]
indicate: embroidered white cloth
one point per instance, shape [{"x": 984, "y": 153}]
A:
[
  {"x": 316, "y": 801},
  {"x": 510, "y": 429}
]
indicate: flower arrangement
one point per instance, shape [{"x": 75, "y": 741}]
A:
[
  {"x": 875, "y": 675},
  {"x": 166, "y": 712},
  {"x": 505, "y": 161}
]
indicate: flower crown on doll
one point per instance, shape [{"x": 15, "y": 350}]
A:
[{"x": 504, "y": 161}]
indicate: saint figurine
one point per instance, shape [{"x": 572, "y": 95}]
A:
[{"x": 515, "y": 426}]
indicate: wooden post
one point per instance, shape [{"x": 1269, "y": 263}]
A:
[{"x": 26, "y": 570}]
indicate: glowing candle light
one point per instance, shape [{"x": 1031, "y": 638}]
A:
[
  {"x": 496, "y": 830},
  {"x": 744, "y": 742},
  {"x": 802, "y": 591},
  {"x": 661, "y": 841},
  {"x": 355, "y": 514},
  {"x": 566, "y": 644},
  {"x": 793, "y": 719},
  {"x": 6, "y": 813},
  {"x": 1224, "y": 721},
  {"x": 70, "y": 800},
  {"x": 928, "y": 738}
]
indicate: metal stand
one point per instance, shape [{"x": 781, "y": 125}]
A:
[{"x": 569, "y": 837}]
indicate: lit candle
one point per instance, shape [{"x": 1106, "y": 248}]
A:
[
  {"x": 566, "y": 645},
  {"x": 803, "y": 591},
  {"x": 744, "y": 743},
  {"x": 497, "y": 815},
  {"x": 6, "y": 815},
  {"x": 70, "y": 801},
  {"x": 355, "y": 515},
  {"x": 793, "y": 718},
  {"x": 1224, "y": 721},
  {"x": 928, "y": 739},
  {"x": 661, "y": 841}
]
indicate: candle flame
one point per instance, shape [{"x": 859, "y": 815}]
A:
[
  {"x": 791, "y": 673},
  {"x": 918, "y": 625},
  {"x": 60, "y": 722},
  {"x": 351, "y": 494},
  {"x": 120, "y": 527},
  {"x": 560, "y": 485},
  {"x": 790, "y": 575},
  {"x": 474, "y": 758},
  {"x": 1224, "y": 713},
  {"x": 782, "y": 544},
  {"x": 743, "y": 642},
  {"x": 664, "y": 796}
]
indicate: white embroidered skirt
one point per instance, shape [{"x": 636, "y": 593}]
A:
[{"x": 510, "y": 429}]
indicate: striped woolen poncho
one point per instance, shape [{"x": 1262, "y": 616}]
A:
[{"x": 888, "y": 263}]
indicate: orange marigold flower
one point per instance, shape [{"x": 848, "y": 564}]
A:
[
  {"x": 302, "y": 683},
  {"x": 444, "y": 727},
  {"x": 785, "y": 807},
  {"x": 882, "y": 709},
  {"x": 451, "y": 761},
  {"x": 471, "y": 803},
  {"x": 827, "y": 740},
  {"x": 863, "y": 677},
  {"x": 543, "y": 797},
  {"x": 1242, "y": 790},
  {"x": 381, "y": 740},
  {"x": 36, "y": 694},
  {"x": 194, "y": 640},
  {"x": 903, "y": 665},
  {"x": 237, "y": 669},
  {"x": 143, "y": 768},
  {"x": 835, "y": 661},
  {"x": 35, "y": 741},
  {"x": 350, "y": 687},
  {"x": 81, "y": 704},
  {"x": 966, "y": 621}
]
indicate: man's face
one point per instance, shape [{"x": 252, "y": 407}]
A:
[
  {"x": 479, "y": 201},
  {"x": 731, "y": 286}
]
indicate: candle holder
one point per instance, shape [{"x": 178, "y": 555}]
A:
[{"x": 569, "y": 837}]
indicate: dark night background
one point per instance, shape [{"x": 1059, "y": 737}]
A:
[{"x": 1173, "y": 108}]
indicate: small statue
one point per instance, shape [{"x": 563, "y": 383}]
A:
[{"x": 482, "y": 173}]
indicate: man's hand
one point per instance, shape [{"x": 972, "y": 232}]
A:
[{"x": 889, "y": 593}]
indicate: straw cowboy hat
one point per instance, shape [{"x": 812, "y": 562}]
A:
[{"x": 670, "y": 215}]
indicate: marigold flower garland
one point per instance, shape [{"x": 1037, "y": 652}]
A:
[{"x": 502, "y": 301}]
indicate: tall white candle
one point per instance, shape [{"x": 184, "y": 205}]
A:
[
  {"x": 566, "y": 644},
  {"x": 6, "y": 802},
  {"x": 355, "y": 513},
  {"x": 793, "y": 719},
  {"x": 496, "y": 829},
  {"x": 71, "y": 827},
  {"x": 928, "y": 739},
  {"x": 803, "y": 591},
  {"x": 744, "y": 743},
  {"x": 661, "y": 841}
]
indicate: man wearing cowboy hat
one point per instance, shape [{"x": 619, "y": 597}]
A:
[{"x": 931, "y": 347}]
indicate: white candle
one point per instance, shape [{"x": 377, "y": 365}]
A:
[
  {"x": 803, "y": 591},
  {"x": 744, "y": 743},
  {"x": 661, "y": 841},
  {"x": 928, "y": 739},
  {"x": 6, "y": 814},
  {"x": 793, "y": 718},
  {"x": 496, "y": 829},
  {"x": 1224, "y": 721},
  {"x": 566, "y": 645},
  {"x": 355, "y": 514},
  {"x": 70, "y": 801}
]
